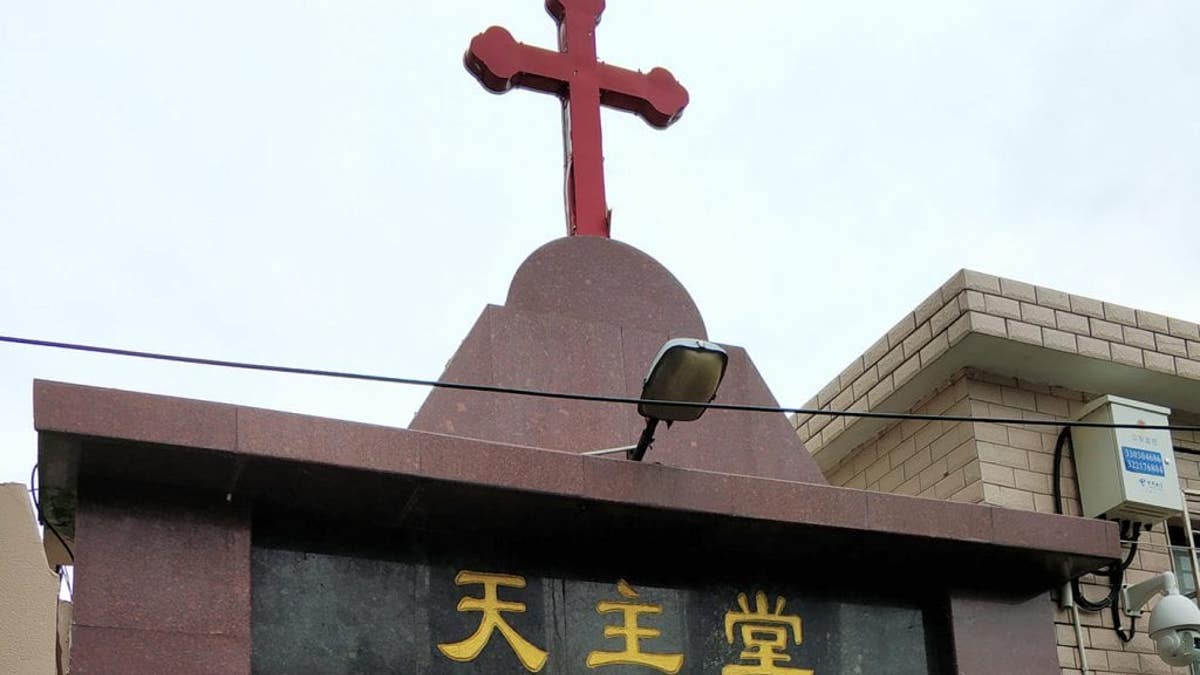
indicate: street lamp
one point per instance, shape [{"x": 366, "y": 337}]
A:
[{"x": 686, "y": 370}]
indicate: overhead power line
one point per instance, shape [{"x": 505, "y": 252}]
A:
[{"x": 568, "y": 396}]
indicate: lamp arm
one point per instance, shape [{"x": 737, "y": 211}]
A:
[
  {"x": 638, "y": 451},
  {"x": 1135, "y": 597}
]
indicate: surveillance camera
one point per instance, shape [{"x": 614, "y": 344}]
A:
[
  {"x": 1174, "y": 622},
  {"x": 1175, "y": 629}
]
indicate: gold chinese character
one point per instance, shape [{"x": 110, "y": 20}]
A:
[
  {"x": 632, "y": 655},
  {"x": 765, "y": 635},
  {"x": 490, "y": 606}
]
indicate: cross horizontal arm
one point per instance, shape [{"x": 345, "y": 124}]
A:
[
  {"x": 656, "y": 96},
  {"x": 501, "y": 63}
]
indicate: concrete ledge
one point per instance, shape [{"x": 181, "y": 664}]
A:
[{"x": 403, "y": 478}]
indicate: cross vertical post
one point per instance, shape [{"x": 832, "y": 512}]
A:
[{"x": 584, "y": 84}]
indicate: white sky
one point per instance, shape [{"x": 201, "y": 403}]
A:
[{"x": 322, "y": 184}]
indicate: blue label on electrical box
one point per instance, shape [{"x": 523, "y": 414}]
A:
[{"x": 1148, "y": 462}]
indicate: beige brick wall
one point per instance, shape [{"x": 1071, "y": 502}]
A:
[
  {"x": 1008, "y": 465},
  {"x": 1016, "y": 466},
  {"x": 975, "y": 302},
  {"x": 1017, "y": 460},
  {"x": 1011, "y": 465},
  {"x": 929, "y": 459}
]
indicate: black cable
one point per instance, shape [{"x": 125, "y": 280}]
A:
[
  {"x": 1109, "y": 600},
  {"x": 1125, "y": 637},
  {"x": 1116, "y": 574},
  {"x": 1115, "y": 612},
  {"x": 1117, "y": 579},
  {"x": 37, "y": 506},
  {"x": 596, "y": 398},
  {"x": 1131, "y": 532},
  {"x": 1057, "y": 470}
]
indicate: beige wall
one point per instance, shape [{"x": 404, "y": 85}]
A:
[
  {"x": 927, "y": 459},
  {"x": 1011, "y": 466},
  {"x": 941, "y": 359},
  {"x": 28, "y": 589},
  {"x": 1109, "y": 336},
  {"x": 1016, "y": 463}
]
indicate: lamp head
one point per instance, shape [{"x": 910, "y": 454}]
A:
[{"x": 687, "y": 370}]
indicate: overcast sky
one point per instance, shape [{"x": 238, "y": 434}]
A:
[{"x": 322, "y": 184}]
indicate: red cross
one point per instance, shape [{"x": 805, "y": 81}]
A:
[{"x": 584, "y": 84}]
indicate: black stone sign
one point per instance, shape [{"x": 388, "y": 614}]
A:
[{"x": 450, "y": 606}]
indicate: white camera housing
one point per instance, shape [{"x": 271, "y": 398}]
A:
[
  {"x": 1174, "y": 622},
  {"x": 1175, "y": 629}
]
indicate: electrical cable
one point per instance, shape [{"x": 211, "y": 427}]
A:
[
  {"x": 1130, "y": 531},
  {"x": 1115, "y": 573},
  {"x": 1057, "y": 469},
  {"x": 37, "y": 505},
  {"x": 1117, "y": 580},
  {"x": 1080, "y": 598},
  {"x": 1116, "y": 620},
  {"x": 596, "y": 398}
]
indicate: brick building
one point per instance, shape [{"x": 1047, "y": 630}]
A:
[{"x": 985, "y": 346}]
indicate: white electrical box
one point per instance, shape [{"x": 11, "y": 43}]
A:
[{"x": 1130, "y": 473}]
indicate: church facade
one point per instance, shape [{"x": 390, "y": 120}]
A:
[{"x": 485, "y": 539}]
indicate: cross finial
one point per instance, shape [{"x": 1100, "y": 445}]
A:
[{"x": 583, "y": 84}]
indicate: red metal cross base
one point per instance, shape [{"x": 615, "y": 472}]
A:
[{"x": 584, "y": 84}]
